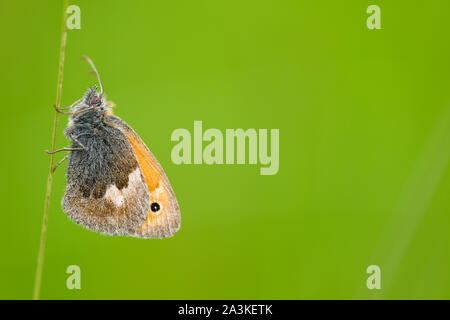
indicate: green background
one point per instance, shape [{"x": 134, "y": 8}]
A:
[{"x": 364, "y": 119}]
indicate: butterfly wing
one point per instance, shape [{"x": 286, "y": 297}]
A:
[
  {"x": 106, "y": 190},
  {"x": 166, "y": 220}
]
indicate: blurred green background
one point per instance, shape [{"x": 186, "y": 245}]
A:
[{"x": 364, "y": 119}]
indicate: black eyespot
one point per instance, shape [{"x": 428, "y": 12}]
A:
[{"x": 155, "y": 207}]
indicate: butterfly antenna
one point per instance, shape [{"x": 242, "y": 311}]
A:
[{"x": 96, "y": 73}]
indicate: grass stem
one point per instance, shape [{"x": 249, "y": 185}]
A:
[{"x": 40, "y": 262}]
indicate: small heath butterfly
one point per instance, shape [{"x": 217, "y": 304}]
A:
[{"x": 115, "y": 185}]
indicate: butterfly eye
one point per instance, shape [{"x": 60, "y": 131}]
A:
[
  {"x": 96, "y": 101},
  {"x": 155, "y": 207}
]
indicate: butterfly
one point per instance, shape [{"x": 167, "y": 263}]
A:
[{"x": 114, "y": 185}]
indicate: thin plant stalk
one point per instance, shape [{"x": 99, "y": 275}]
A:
[{"x": 40, "y": 262}]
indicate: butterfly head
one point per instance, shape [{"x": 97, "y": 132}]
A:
[
  {"x": 93, "y": 99},
  {"x": 93, "y": 105}
]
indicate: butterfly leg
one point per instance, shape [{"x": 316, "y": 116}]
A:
[
  {"x": 77, "y": 141},
  {"x": 64, "y": 149},
  {"x": 61, "y": 161},
  {"x": 69, "y": 107},
  {"x": 59, "y": 110},
  {"x": 73, "y": 104}
]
